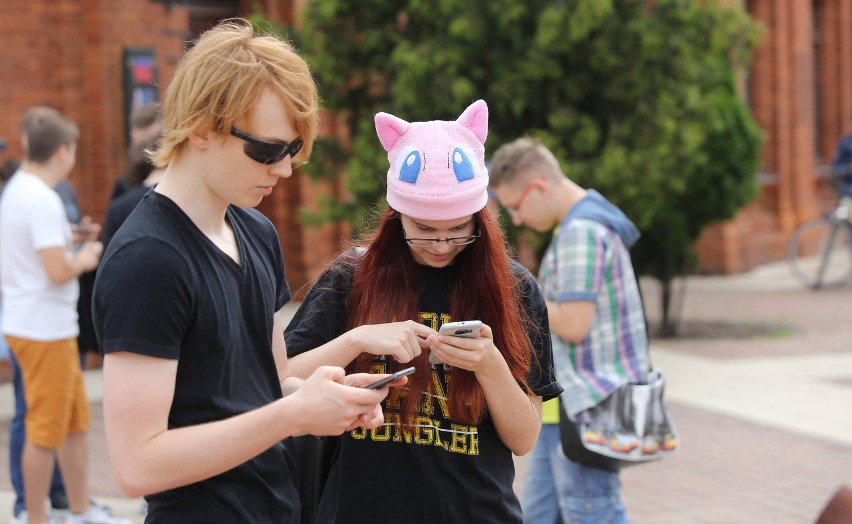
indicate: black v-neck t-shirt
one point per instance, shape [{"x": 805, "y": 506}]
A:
[{"x": 165, "y": 290}]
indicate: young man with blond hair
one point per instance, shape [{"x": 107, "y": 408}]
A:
[
  {"x": 39, "y": 268},
  {"x": 198, "y": 399}
]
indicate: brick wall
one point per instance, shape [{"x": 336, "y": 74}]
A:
[
  {"x": 801, "y": 96},
  {"x": 67, "y": 54}
]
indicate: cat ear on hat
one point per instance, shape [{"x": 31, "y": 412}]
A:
[
  {"x": 475, "y": 118},
  {"x": 390, "y": 128}
]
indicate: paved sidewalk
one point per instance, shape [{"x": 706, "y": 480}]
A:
[{"x": 765, "y": 423}]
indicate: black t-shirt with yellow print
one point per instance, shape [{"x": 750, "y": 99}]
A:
[{"x": 438, "y": 471}]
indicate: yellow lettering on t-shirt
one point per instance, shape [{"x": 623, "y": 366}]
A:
[
  {"x": 401, "y": 431},
  {"x": 429, "y": 320},
  {"x": 440, "y": 394},
  {"x": 473, "y": 449},
  {"x": 378, "y": 367},
  {"x": 424, "y": 433},
  {"x": 438, "y": 442},
  {"x": 458, "y": 442},
  {"x": 381, "y": 433}
]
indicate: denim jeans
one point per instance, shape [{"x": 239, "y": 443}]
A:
[
  {"x": 558, "y": 491},
  {"x": 17, "y": 437}
]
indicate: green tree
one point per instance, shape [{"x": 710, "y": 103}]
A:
[{"x": 638, "y": 99}]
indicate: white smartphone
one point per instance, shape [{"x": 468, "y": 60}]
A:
[{"x": 464, "y": 329}]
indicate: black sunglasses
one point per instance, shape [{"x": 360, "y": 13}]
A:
[{"x": 267, "y": 152}]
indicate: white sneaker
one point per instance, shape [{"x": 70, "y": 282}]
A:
[
  {"x": 95, "y": 515},
  {"x": 60, "y": 516},
  {"x": 24, "y": 518}
]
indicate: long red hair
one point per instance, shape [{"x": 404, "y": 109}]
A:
[{"x": 387, "y": 287}]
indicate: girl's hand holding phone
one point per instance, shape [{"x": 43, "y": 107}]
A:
[
  {"x": 464, "y": 329},
  {"x": 470, "y": 351}
]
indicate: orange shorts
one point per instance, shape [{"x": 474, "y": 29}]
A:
[{"x": 53, "y": 388}]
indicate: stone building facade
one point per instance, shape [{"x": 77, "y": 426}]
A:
[{"x": 74, "y": 55}]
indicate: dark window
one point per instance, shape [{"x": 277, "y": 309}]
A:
[{"x": 204, "y": 14}]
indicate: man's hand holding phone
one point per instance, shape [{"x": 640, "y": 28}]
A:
[
  {"x": 376, "y": 417},
  {"x": 332, "y": 402}
]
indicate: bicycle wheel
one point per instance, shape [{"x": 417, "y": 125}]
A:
[{"x": 820, "y": 252}]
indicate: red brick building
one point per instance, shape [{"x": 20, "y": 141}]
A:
[
  {"x": 800, "y": 92},
  {"x": 91, "y": 58}
]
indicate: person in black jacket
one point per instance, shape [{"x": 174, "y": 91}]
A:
[{"x": 841, "y": 165}]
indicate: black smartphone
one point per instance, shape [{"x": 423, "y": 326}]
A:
[{"x": 379, "y": 383}]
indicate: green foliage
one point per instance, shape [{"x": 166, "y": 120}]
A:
[{"x": 638, "y": 99}]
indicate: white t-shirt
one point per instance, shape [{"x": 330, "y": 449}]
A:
[{"x": 32, "y": 218}]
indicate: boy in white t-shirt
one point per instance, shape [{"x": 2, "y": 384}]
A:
[{"x": 38, "y": 274}]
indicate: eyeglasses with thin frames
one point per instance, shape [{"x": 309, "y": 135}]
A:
[
  {"x": 267, "y": 152},
  {"x": 453, "y": 241},
  {"x": 517, "y": 207}
]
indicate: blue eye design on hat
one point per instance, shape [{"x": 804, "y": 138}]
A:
[
  {"x": 462, "y": 166},
  {"x": 410, "y": 164}
]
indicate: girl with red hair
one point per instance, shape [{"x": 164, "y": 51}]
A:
[{"x": 437, "y": 255}]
